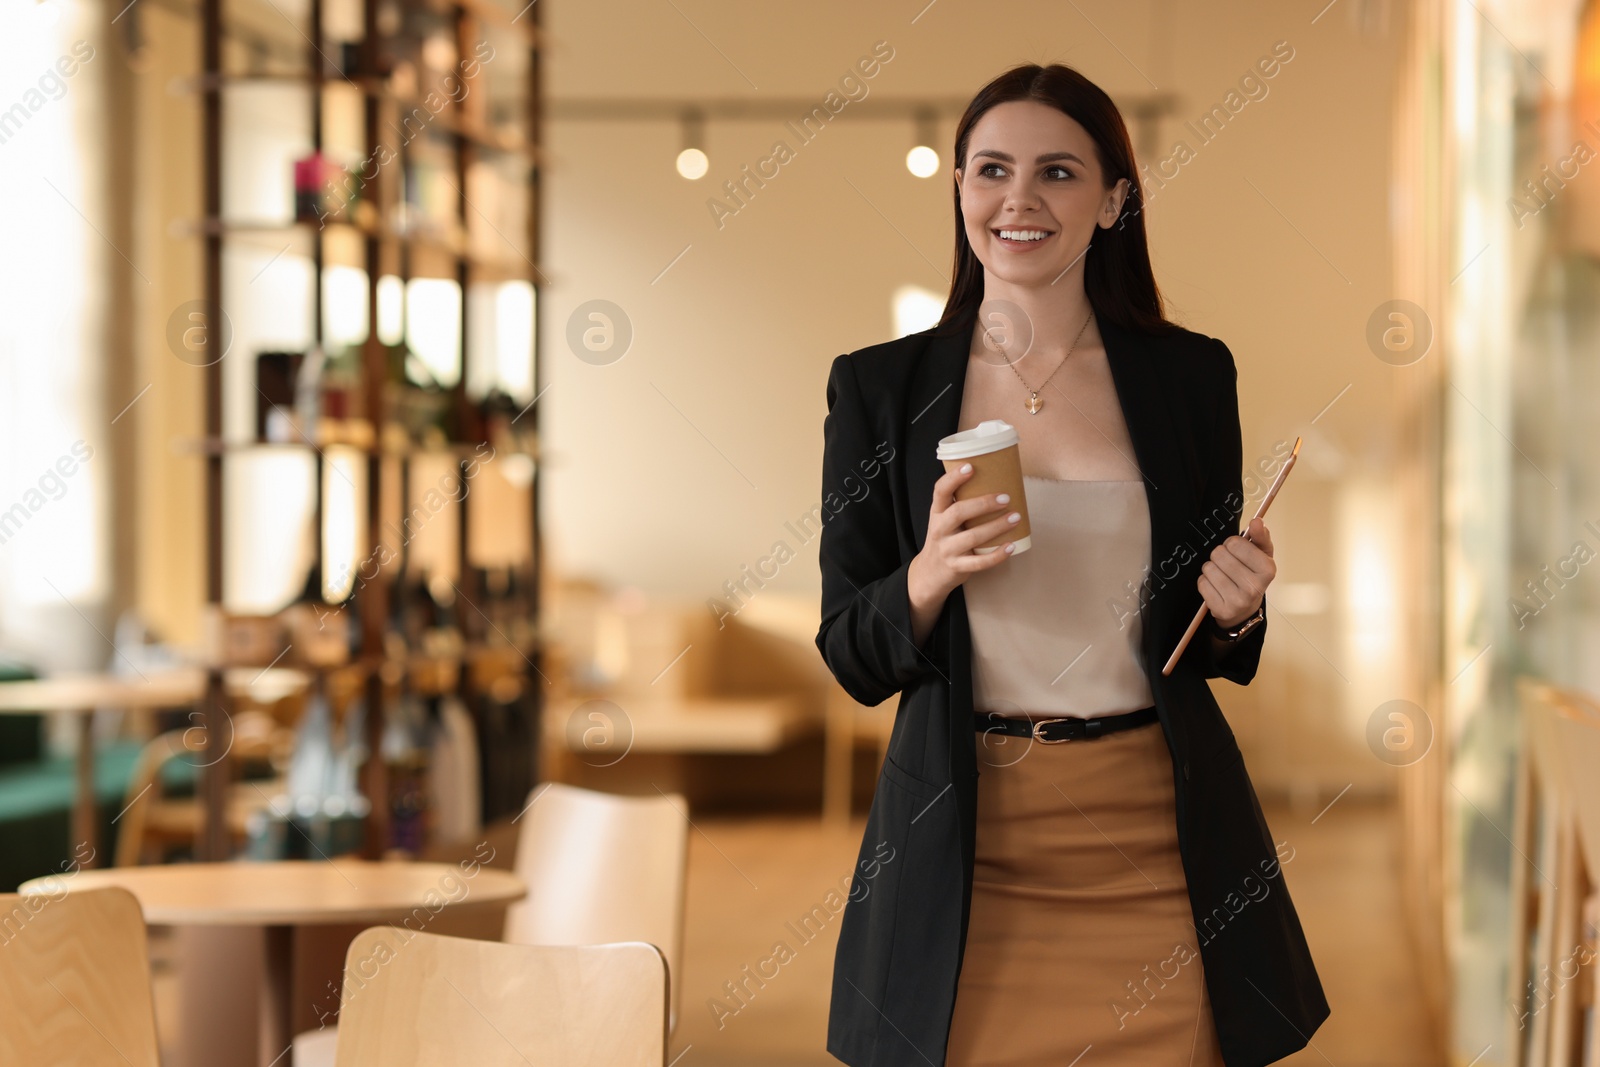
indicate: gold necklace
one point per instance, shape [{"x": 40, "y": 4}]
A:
[{"x": 1034, "y": 403}]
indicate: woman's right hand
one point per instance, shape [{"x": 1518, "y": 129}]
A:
[{"x": 947, "y": 557}]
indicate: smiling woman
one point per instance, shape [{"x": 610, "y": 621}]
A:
[{"x": 1106, "y": 814}]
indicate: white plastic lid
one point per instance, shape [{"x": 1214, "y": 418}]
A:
[{"x": 990, "y": 435}]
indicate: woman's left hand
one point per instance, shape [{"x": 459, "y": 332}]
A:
[{"x": 1236, "y": 577}]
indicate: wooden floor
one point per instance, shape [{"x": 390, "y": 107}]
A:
[{"x": 751, "y": 877}]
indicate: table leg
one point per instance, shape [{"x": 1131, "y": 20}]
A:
[
  {"x": 277, "y": 995},
  {"x": 85, "y": 813},
  {"x": 214, "y": 842}
]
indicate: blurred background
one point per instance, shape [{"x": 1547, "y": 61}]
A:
[{"x": 408, "y": 403}]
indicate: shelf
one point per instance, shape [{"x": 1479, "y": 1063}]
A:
[
  {"x": 484, "y": 136},
  {"x": 212, "y": 446},
  {"x": 450, "y": 241},
  {"x": 488, "y": 10},
  {"x": 219, "y": 227},
  {"x": 250, "y": 151},
  {"x": 448, "y": 246},
  {"x": 474, "y": 133},
  {"x": 199, "y": 83}
]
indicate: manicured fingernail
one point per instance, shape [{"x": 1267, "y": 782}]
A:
[
  {"x": 1011, "y": 547},
  {"x": 1013, "y": 517},
  {"x": 1004, "y": 498},
  {"x": 966, "y": 468}
]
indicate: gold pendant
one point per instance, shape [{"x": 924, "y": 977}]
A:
[{"x": 1034, "y": 403}]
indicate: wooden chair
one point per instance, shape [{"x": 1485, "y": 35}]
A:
[
  {"x": 603, "y": 868},
  {"x": 1556, "y": 834},
  {"x": 151, "y": 822},
  {"x": 1578, "y": 734},
  {"x": 600, "y": 869},
  {"x": 426, "y": 1000},
  {"x": 75, "y": 981}
]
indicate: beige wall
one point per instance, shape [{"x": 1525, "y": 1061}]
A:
[{"x": 679, "y": 464}]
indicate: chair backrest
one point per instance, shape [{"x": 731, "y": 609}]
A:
[
  {"x": 602, "y": 868},
  {"x": 75, "y": 980},
  {"x": 1577, "y": 730},
  {"x": 427, "y": 1000},
  {"x": 1556, "y": 832},
  {"x": 144, "y": 789}
]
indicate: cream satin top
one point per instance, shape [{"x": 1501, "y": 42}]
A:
[{"x": 1057, "y": 629}]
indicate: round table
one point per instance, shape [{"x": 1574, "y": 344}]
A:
[
  {"x": 279, "y": 896},
  {"x": 80, "y": 694}
]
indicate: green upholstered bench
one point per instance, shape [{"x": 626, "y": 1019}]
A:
[{"x": 36, "y": 808}]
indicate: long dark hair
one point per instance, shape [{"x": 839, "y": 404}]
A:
[{"x": 1116, "y": 269}]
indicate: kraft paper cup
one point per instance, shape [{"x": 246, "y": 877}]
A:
[{"x": 991, "y": 447}]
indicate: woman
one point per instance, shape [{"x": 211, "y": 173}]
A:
[{"x": 1064, "y": 851}]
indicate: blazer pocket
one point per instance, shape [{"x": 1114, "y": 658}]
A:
[{"x": 910, "y": 782}]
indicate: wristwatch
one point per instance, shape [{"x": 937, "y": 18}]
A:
[{"x": 1233, "y": 634}]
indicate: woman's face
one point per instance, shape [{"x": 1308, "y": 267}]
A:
[{"x": 1030, "y": 170}]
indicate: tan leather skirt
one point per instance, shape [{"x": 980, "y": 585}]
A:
[{"x": 1081, "y": 936}]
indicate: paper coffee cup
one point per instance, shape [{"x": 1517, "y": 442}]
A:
[{"x": 991, "y": 447}]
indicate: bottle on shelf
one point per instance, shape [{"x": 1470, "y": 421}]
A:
[
  {"x": 276, "y": 375},
  {"x": 321, "y": 811},
  {"x": 311, "y": 765},
  {"x": 405, "y": 756},
  {"x": 344, "y": 806},
  {"x": 308, "y": 393}
]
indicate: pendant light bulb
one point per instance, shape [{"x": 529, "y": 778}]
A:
[
  {"x": 692, "y": 163},
  {"x": 922, "y": 161},
  {"x": 692, "y": 160}
]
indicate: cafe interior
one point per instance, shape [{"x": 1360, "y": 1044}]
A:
[{"x": 411, "y": 418}]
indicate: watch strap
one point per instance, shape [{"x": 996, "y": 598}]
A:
[{"x": 1250, "y": 623}]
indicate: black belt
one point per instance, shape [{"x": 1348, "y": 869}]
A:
[{"x": 1054, "y": 731}]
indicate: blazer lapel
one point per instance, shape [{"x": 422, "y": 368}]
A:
[
  {"x": 934, "y": 408},
  {"x": 1144, "y": 390}
]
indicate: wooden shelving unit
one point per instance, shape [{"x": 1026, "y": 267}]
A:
[{"x": 435, "y": 112}]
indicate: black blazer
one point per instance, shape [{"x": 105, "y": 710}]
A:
[{"x": 904, "y": 927}]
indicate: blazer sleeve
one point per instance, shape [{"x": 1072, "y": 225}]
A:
[
  {"x": 1224, "y": 494},
  {"x": 866, "y": 632}
]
